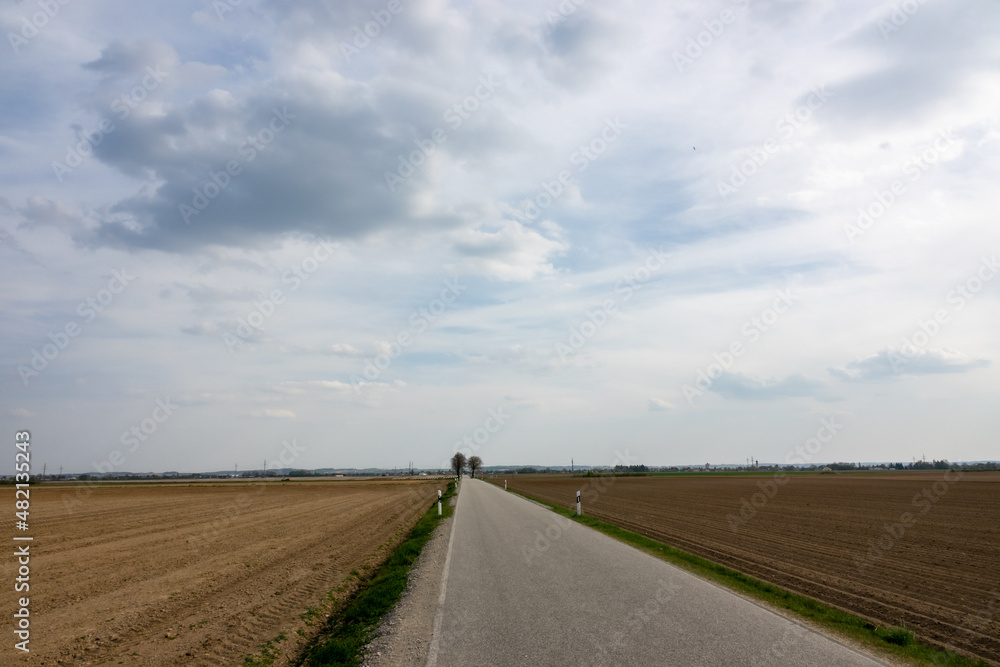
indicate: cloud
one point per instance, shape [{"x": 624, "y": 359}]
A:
[
  {"x": 508, "y": 252},
  {"x": 126, "y": 58},
  {"x": 330, "y": 384},
  {"x": 19, "y": 412},
  {"x": 42, "y": 212},
  {"x": 659, "y": 405},
  {"x": 891, "y": 363},
  {"x": 531, "y": 358},
  {"x": 204, "y": 294},
  {"x": 578, "y": 48},
  {"x": 306, "y": 156},
  {"x": 740, "y": 386},
  {"x": 271, "y": 413},
  {"x": 8, "y": 240},
  {"x": 918, "y": 64},
  {"x": 203, "y": 329},
  {"x": 345, "y": 350}
]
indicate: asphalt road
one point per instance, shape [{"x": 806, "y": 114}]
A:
[{"x": 524, "y": 586}]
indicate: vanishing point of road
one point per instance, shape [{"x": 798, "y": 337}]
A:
[{"x": 525, "y": 586}]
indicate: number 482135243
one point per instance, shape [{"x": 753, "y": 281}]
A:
[{"x": 22, "y": 459}]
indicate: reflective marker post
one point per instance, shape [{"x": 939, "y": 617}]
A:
[
  {"x": 578, "y": 512},
  {"x": 439, "y": 502},
  {"x": 505, "y": 485}
]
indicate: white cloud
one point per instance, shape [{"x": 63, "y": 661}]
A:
[
  {"x": 273, "y": 413},
  {"x": 509, "y": 252},
  {"x": 659, "y": 405},
  {"x": 891, "y": 363},
  {"x": 738, "y": 385}
]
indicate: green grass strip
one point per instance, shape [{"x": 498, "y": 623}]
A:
[
  {"x": 898, "y": 641},
  {"x": 345, "y": 634}
]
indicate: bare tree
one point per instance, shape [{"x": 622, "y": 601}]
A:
[
  {"x": 459, "y": 463},
  {"x": 475, "y": 463}
]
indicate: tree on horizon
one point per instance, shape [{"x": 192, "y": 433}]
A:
[
  {"x": 475, "y": 463},
  {"x": 459, "y": 463}
]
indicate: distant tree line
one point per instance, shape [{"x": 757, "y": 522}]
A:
[{"x": 631, "y": 468}]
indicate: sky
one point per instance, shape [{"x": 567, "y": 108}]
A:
[{"x": 352, "y": 234}]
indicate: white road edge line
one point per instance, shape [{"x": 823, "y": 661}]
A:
[{"x": 435, "y": 645}]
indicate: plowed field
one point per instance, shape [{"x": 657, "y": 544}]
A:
[
  {"x": 920, "y": 549},
  {"x": 182, "y": 574}
]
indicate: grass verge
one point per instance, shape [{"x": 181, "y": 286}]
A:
[
  {"x": 346, "y": 633},
  {"x": 897, "y": 641}
]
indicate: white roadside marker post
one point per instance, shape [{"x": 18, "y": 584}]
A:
[
  {"x": 505, "y": 485},
  {"x": 439, "y": 502},
  {"x": 578, "y": 512}
]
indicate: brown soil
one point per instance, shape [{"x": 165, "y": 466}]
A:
[
  {"x": 936, "y": 570},
  {"x": 181, "y": 574}
]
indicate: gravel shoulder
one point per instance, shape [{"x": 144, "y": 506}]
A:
[{"x": 404, "y": 636}]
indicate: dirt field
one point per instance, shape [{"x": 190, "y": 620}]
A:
[
  {"x": 900, "y": 548},
  {"x": 182, "y": 574}
]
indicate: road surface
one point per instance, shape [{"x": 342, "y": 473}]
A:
[{"x": 525, "y": 586}]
